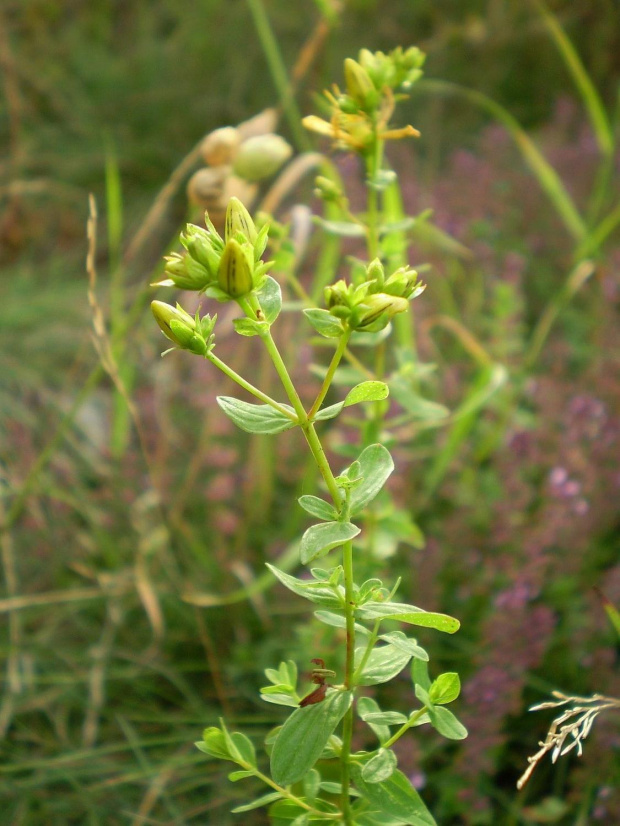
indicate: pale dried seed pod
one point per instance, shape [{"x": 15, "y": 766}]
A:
[
  {"x": 265, "y": 121},
  {"x": 206, "y": 186},
  {"x": 220, "y": 146}
]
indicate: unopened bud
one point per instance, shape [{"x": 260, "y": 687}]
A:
[
  {"x": 234, "y": 275},
  {"x": 238, "y": 219},
  {"x": 380, "y": 308},
  {"x": 359, "y": 85},
  {"x": 179, "y": 327},
  {"x": 375, "y": 272},
  {"x": 186, "y": 273},
  {"x": 261, "y": 156},
  {"x": 327, "y": 189}
]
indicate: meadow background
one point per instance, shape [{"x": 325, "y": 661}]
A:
[{"x": 124, "y": 492}]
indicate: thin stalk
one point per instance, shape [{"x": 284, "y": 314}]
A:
[
  {"x": 405, "y": 727},
  {"x": 373, "y": 165},
  {"x": 372, "y": 639},
  {"x": 289, "y": 795},
  {"x": 249, "y": 387},
  {"x": 340, "y": 349},
  {"x": 347, "y": 729}
]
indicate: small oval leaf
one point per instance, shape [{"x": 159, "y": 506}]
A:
[
  {"x": 319, "y": 540},
  {"x": 304, "y": 735},
  {"x": 379, "y": 767},
  {"x": 256, "y": 418}
]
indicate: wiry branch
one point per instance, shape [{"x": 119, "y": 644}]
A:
[{"x": 569, "y": 730}]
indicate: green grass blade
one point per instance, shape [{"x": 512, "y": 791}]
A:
[
  {"x": 547, "y": 177},
  {"x": 589, "y": 95}
]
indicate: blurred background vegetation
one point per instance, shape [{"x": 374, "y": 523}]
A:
[{"x": 123, "y": 490}]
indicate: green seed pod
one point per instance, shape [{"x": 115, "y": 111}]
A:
[
  {"x": 234, "y": 275},
  {"x": 238, "y": 219},
  {"x": 359, "y": 85},
  {"x": 261, "y": 156}
]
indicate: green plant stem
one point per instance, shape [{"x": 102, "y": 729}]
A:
[
  {"x": 405, "y": 727},
  {"x": 373, "y": 165},
  {"x": 340, "y": 350},
  {"x": 249, "y": 387},
  {"x": 347, "y": 727},
  {"x": 285, "y": 793},
  {"x": 372, "y": 639}
]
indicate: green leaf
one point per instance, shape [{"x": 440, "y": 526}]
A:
[
  {"x": 344, "y": 229},
  {"x": 409, "y": 614},
  {"x": 279, "y": 699},
  {"x": 314, "y": 591},
  {"x": 256, "y": 418},
  {"x": 270, "y": 298},
  {"x": 385, "y": 718},
  {"x": 214, "y": 743},
  {"x": 240, "y": 747},
  {"x": 395, "y": 797},
  {"x": 265, "y": 800},
  {"x": 304, "y": 735},
  {"x": 338, "y": 621},
  {"x": 445, "y": 688},
  {"x": 319, "y": 540},
  {"x": 383, "y": 664},
  {"x": 312, "y": 784},
  {"x": 402, "y": 641},
  {"x": 367, "y": 391},
  {"x": 420, "y": 408},
  {"x": 240, "y": 775},
  {"x": 446, "y": 723},
  {"x": 318, "y": 507},
  {"x": 366, "y": 706},
  {"x": 375, "y": 467},
  {"x": 328, "y": 412},
  {"x": 324, "y": 323},
  {"x": 249, "y": 327},
  {"x": 419, "y": 674},
  {"x": 380, "y": 767}
]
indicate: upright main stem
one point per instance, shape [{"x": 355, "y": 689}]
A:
[{"x": 322, "y": 462}]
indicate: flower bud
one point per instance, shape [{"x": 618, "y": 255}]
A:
[
  {"x": 261, "y": 156},
  {"x": 337, "y": 294},
  {"x": 234, "y": 275},
  {"x": 359, "y": 85},
  {"x": 200, "y": 248},
  {"x": 179, "y": 327},
  {"x": 380, "y": 308},
  {"x": 327, "y": 189},
  {"x": 238, "y": 219},
  {"x": 404, "y": 282},
  {"x": 186, "y": 273},
  {"x": 376, "y": 273}
]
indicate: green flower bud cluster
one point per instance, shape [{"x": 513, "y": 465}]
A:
[
  {"x": 369, "y": 307},
  {"x": 363, "y": 111},
  {"x": 396, "y": 70},
  {"x": 368, "y": 78},
  {"x": 223, "y": 268},
  {"x": 186, "y": 332}
]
